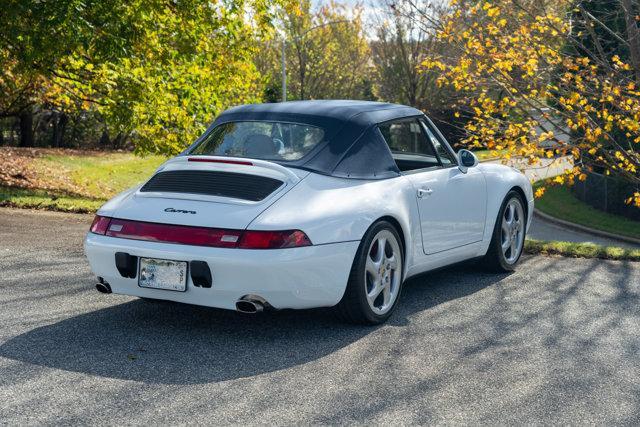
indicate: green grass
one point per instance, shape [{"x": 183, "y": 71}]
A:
[
  {"x": 100, "y": 175},
  {"x": 40, "y": 199},
  {"x": 560, "y": 203},
  {"x": 580, "y": 250},
  {"x": 80, "y": 182}
]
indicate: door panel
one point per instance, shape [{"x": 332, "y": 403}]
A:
[
  {"x": 452, "y": 207},
  {"x": 452, "y": 204}
]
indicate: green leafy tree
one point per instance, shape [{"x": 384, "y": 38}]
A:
[
  {"x": 327, "y": 54},
  {"x": 156, "y": 71}
]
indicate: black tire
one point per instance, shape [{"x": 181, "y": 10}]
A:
[
  {"x": 495, "y": 260},
  {"x": 354, "y": 307}
]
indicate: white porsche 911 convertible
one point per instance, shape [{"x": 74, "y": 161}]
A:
[{"x": 309, "y": 204}]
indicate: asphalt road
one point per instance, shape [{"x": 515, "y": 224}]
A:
[{"x": 556, "y": 342}]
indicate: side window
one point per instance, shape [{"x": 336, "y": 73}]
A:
[
  {"x": 406, "y": 137},
  {"x": 409, "y": 145},
  {"x": 445, "y": 155}
]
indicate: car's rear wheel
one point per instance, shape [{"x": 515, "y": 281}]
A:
[
  {"x": 375, "y": 281},
  {"x": 507, "y": 242}
]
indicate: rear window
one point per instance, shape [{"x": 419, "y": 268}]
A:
[{"x": 261, "y": 140}]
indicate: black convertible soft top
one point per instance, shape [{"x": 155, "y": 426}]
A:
[{"x": 353, "y": 146}]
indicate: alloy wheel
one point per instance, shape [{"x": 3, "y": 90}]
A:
[
  {"x": 512, "y": 236},
  {"x": 383, "y": 272}
]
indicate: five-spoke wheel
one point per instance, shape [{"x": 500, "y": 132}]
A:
[
  {"x": 512, "y": 237},
  {"x": 383, "y": 272}
]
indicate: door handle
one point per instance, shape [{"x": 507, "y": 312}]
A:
[{"x": 424, "y": 192}]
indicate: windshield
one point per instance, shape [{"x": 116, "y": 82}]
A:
[{"x": 260, "y": 140}]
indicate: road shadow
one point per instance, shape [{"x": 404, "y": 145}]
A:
[{"x": 167, "y": 343}]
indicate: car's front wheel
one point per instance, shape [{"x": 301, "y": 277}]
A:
[
  {"x": 507, "y": 242},
  {"x": 375, "y": 281}
]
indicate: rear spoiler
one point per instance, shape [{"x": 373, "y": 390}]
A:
[{"x": 233, "y": 164}]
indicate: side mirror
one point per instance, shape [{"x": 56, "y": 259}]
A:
[{"x": 466, "y": 160}]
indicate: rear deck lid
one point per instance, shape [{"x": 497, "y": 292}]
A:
[{"x": 209, "y": 191}]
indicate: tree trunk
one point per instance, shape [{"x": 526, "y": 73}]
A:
[
  {"x": 118, "y": 141},
  {"x": 633, "y": 36},
  {"x": 15, "y": 130},
  {"x": 62, "y": 124},
  {"x": 55, "y": 139},
  {"x": 26, "y": 127},
  {"x": 301, "y": 71},
  {"x": 104, "y": 139},
  {"x": 59, "y": 125}
]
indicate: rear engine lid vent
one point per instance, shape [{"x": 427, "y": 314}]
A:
[{"x": 213, "y": 183}]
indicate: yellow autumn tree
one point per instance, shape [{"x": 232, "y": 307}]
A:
[{"x": 542, "y": 80}]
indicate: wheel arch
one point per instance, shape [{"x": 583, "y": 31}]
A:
[
  {"x": 396, "y": 224},
  {"x": 522, "y": 194}
]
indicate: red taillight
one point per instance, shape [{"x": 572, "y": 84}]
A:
[
  {"x": 273, "y": 239},
  {"x": 182, "y": 234},
  {"x": 231, "y": 162},
  {"x": 199, "y": 236},
  {"x": 100, "y": 224}
]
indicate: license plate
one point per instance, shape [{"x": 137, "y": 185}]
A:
[{"x": 163, "y": 274}]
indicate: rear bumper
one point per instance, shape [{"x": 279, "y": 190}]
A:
[{"x": 312, "y": 276}]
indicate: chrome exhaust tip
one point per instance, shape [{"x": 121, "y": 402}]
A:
[
  {"x": 249, "y": 307},
  {"x": 103, "y": 287},
  {"x": 251, "y": 304}
]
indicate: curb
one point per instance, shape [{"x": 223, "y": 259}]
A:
[{"x": 586, "y": 229}]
